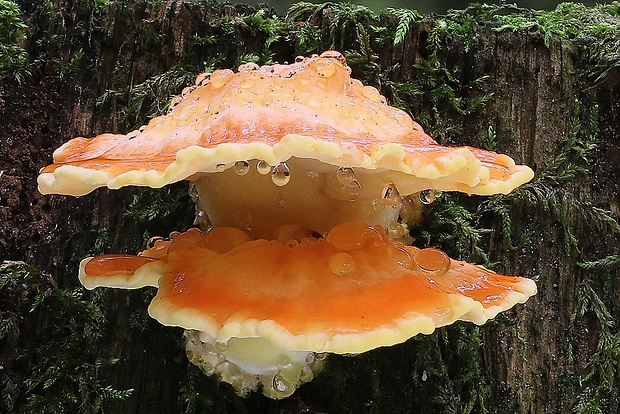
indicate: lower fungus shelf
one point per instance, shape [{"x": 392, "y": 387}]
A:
[{"x": 259, "y": 311}]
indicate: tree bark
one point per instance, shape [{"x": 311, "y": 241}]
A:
[{"x": 548, "y": 98}]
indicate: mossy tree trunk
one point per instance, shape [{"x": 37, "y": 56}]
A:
[{"x": 542, "y": 87}]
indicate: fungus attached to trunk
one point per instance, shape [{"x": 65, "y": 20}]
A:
[{"x": 303, "y": 173}]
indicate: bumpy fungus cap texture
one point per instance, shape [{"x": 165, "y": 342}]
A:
[
  {"x": 348, "y": 292},
  {"x": 310, "y": 109}
]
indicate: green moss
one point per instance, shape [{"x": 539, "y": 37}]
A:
[
  {"x": 14, "y": 59},
  {"x": 595, "y": 30},
  {"x": 48, "y": 346},
  {"x": 145, "y": 100},
  {"x": 443, "y": 372}
]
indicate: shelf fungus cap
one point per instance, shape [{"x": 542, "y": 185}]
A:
[
  {"x": 310, "y": 109},
  {"x": 348, "y": 292}
]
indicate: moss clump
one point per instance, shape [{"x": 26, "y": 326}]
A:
[
  {"x": 14, "y": 59},
  {"x": 48, "y": 346},
  {"x": 593, "y": 29}
]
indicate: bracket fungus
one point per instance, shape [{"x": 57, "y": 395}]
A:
[{"x": 300, "y": 174}]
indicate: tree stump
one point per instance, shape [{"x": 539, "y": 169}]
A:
[{"x": 543, "y": 87}]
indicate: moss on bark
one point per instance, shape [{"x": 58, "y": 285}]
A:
[{"x": 541, "y": 86}]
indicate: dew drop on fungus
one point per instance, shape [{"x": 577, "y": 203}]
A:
[
  {"x": 241, "y": 167},
  {"x": 433, "y": 261},
  {"x": 378, "y": 205},
  {"x": 263, "y": 167},
  {"x": 351, "y": 191},
  {"x": 203, "y": 79},
  {"x": 342, "y": 264},
  {"x": 193, "y": 192},
  {"x": 281, "y": 385},
  {"x": 395, "y": 230},
  {"x": 221, "y": 346},
  {"x": 248, "y": 67},
  {"x": 334, "y": 54},
  {"x": 402, "y": 257},
  {"x": 186, "y": 91},
  {"x": 151, "y": 242},
  {"x": 173, "y": 235},
  {"x": 220, "y": 167},
  {"x": 244, "y": 217},
  {"x": 351, "y": 236},
  {"x": 325, "y": 69},
  {"x": 174, "y": 102},
  {"x": 220, "y": 77},
  {"x": 284, "y": 359},
  {"x": 429, "y": 196},
  {"x": 391, "y": 197},
  {"x": 299, "y": 59},
  {"x": 280, "y": 174},
  {"x": 345, "y": 175}
]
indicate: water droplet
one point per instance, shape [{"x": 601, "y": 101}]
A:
[
  {"x": 395, "y": 230},
  {"x": 433, "y": 261},
  {"x": 391, "y": 197},
  {"x": 220, "y": 167},
  {"x": 402, "y": 257},
  {"x": 203, "y": 79},
  {"x": 174, "y": 102},
  {"x": 186, "y": 91},
  {"x": 371, "y": 93},
  {"x": 334, "y": 54},
  {"x": 342, "y": 264},
  {"x": 193, "y": 191},
  {"x": 248, "y": 67},
  {"x": 325, "y": 68},
  {"x": 351, "y": 235},
  {"x": 313, "y": 175},
  {"x": 151, "y": 243},
  {"x": 241, "y": 167},
  {"x": 351, "y": 191},
  {"x": 429, "y": 196},
  {"x": 221, "y": 347},
  {"x": 310, "y": 358},
  {"x": 345, "y": 175},
  {"x": 287, "y": 72},
  {"x": 244, "y": 218},
  {"x": 220, "y": 77},
  {"x": 282, "y": 386},
  {"x": 424, "y": 375},
  {"x": 173, "y": 235},
  {"x": 378, "y": 204},
  {"x": 284, "y": 359},
  {"x": 263, "y": 167},
  {"x": 299, "y": 59},
  {"x": 280, "y": 174}
]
